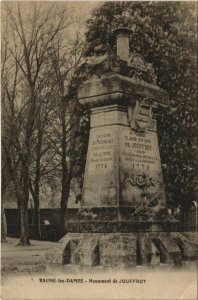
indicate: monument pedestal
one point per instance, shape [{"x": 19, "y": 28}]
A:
[
  {"x": 123, "y": 188},
  {"x": 123, "y": 218},
  {"x": 122, "y": 249}
]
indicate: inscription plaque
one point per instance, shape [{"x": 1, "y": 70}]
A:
[
  {"x": 101, "y": 151},
  {"x": 139, "y": 151},
  {"x": 141, "y": 181},
  {"x": 100, "y": 183}
]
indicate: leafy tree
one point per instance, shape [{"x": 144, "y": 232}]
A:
[{"x": 164, "y": 33}]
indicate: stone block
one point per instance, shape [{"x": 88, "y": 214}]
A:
[
  {"x": 55, "y": 256},
  {"x": 187, "y": 245},
  {"x": 69, "y": 236},
  {"x": 116, "y": 87},
  {"x": 108, "y": 195},
  {"x": 147, "y": 252},
  {"x": 87, "y": 251},
  {"x": 169, "y": 251},
  {"x": 154, "y": 256},
  {"x": 192, "y": 236},
  {"x": 108, "y": 115},
  {"x": 118, "y": 250},
  {"x": 69, "y": 250},
  {"x": 65, "y": 248}
]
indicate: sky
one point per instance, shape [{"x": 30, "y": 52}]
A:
[{"x": 79, "y": 11}]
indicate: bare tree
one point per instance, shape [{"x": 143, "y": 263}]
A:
[
  {"x": 29, "y": 50},
  {"x": 66, "y": 63},
  {"x": 43, "y": 162},
  {"x": 9, "y": 167},
  {"x": 41, "y": 109}
]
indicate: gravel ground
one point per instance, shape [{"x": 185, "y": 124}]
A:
[{"x": 20, "y": 259}]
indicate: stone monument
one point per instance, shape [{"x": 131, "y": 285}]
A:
[{"x": 123, "y": 219}]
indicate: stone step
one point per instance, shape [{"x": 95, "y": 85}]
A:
[{"x": 121, "y": 249}]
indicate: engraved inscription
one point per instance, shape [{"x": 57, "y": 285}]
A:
[
  {"x": 139, "y": 152},
  {"x": 101, "y": 152}
]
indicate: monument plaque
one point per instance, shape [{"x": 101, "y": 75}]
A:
[
  {"x": 100, "y": 181},
  {"x": 140, "y": 171}
]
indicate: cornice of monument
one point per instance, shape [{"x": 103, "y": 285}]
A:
[
  {"x": 134, "y": 67},
  {"x": 121, "y": 76},
  {"x": 113, "y": 87}
]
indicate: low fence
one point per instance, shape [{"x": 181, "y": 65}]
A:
[
  {"x": 50, "y": 232},
  {"x": 188, "y": 220}
]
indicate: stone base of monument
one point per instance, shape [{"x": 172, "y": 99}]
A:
[
  {"x": 123, "y": 249},
  {"x": 119, "y": 219}
]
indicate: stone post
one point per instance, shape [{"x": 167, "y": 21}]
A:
[{"x": 122, "y": 38}]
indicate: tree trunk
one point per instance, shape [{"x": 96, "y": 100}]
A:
[
  {"x": 24, "y": 236},
  {"x": 18, "y": 215},
  {"x": 37, "y": 223},
  {"x": 3, "y": 217},
  {"x": 64, "y": 191},
  {"x": 3, "y": 226},
  {"x": 64, "y": 200},
  {"x": 36, "y": 191}
]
